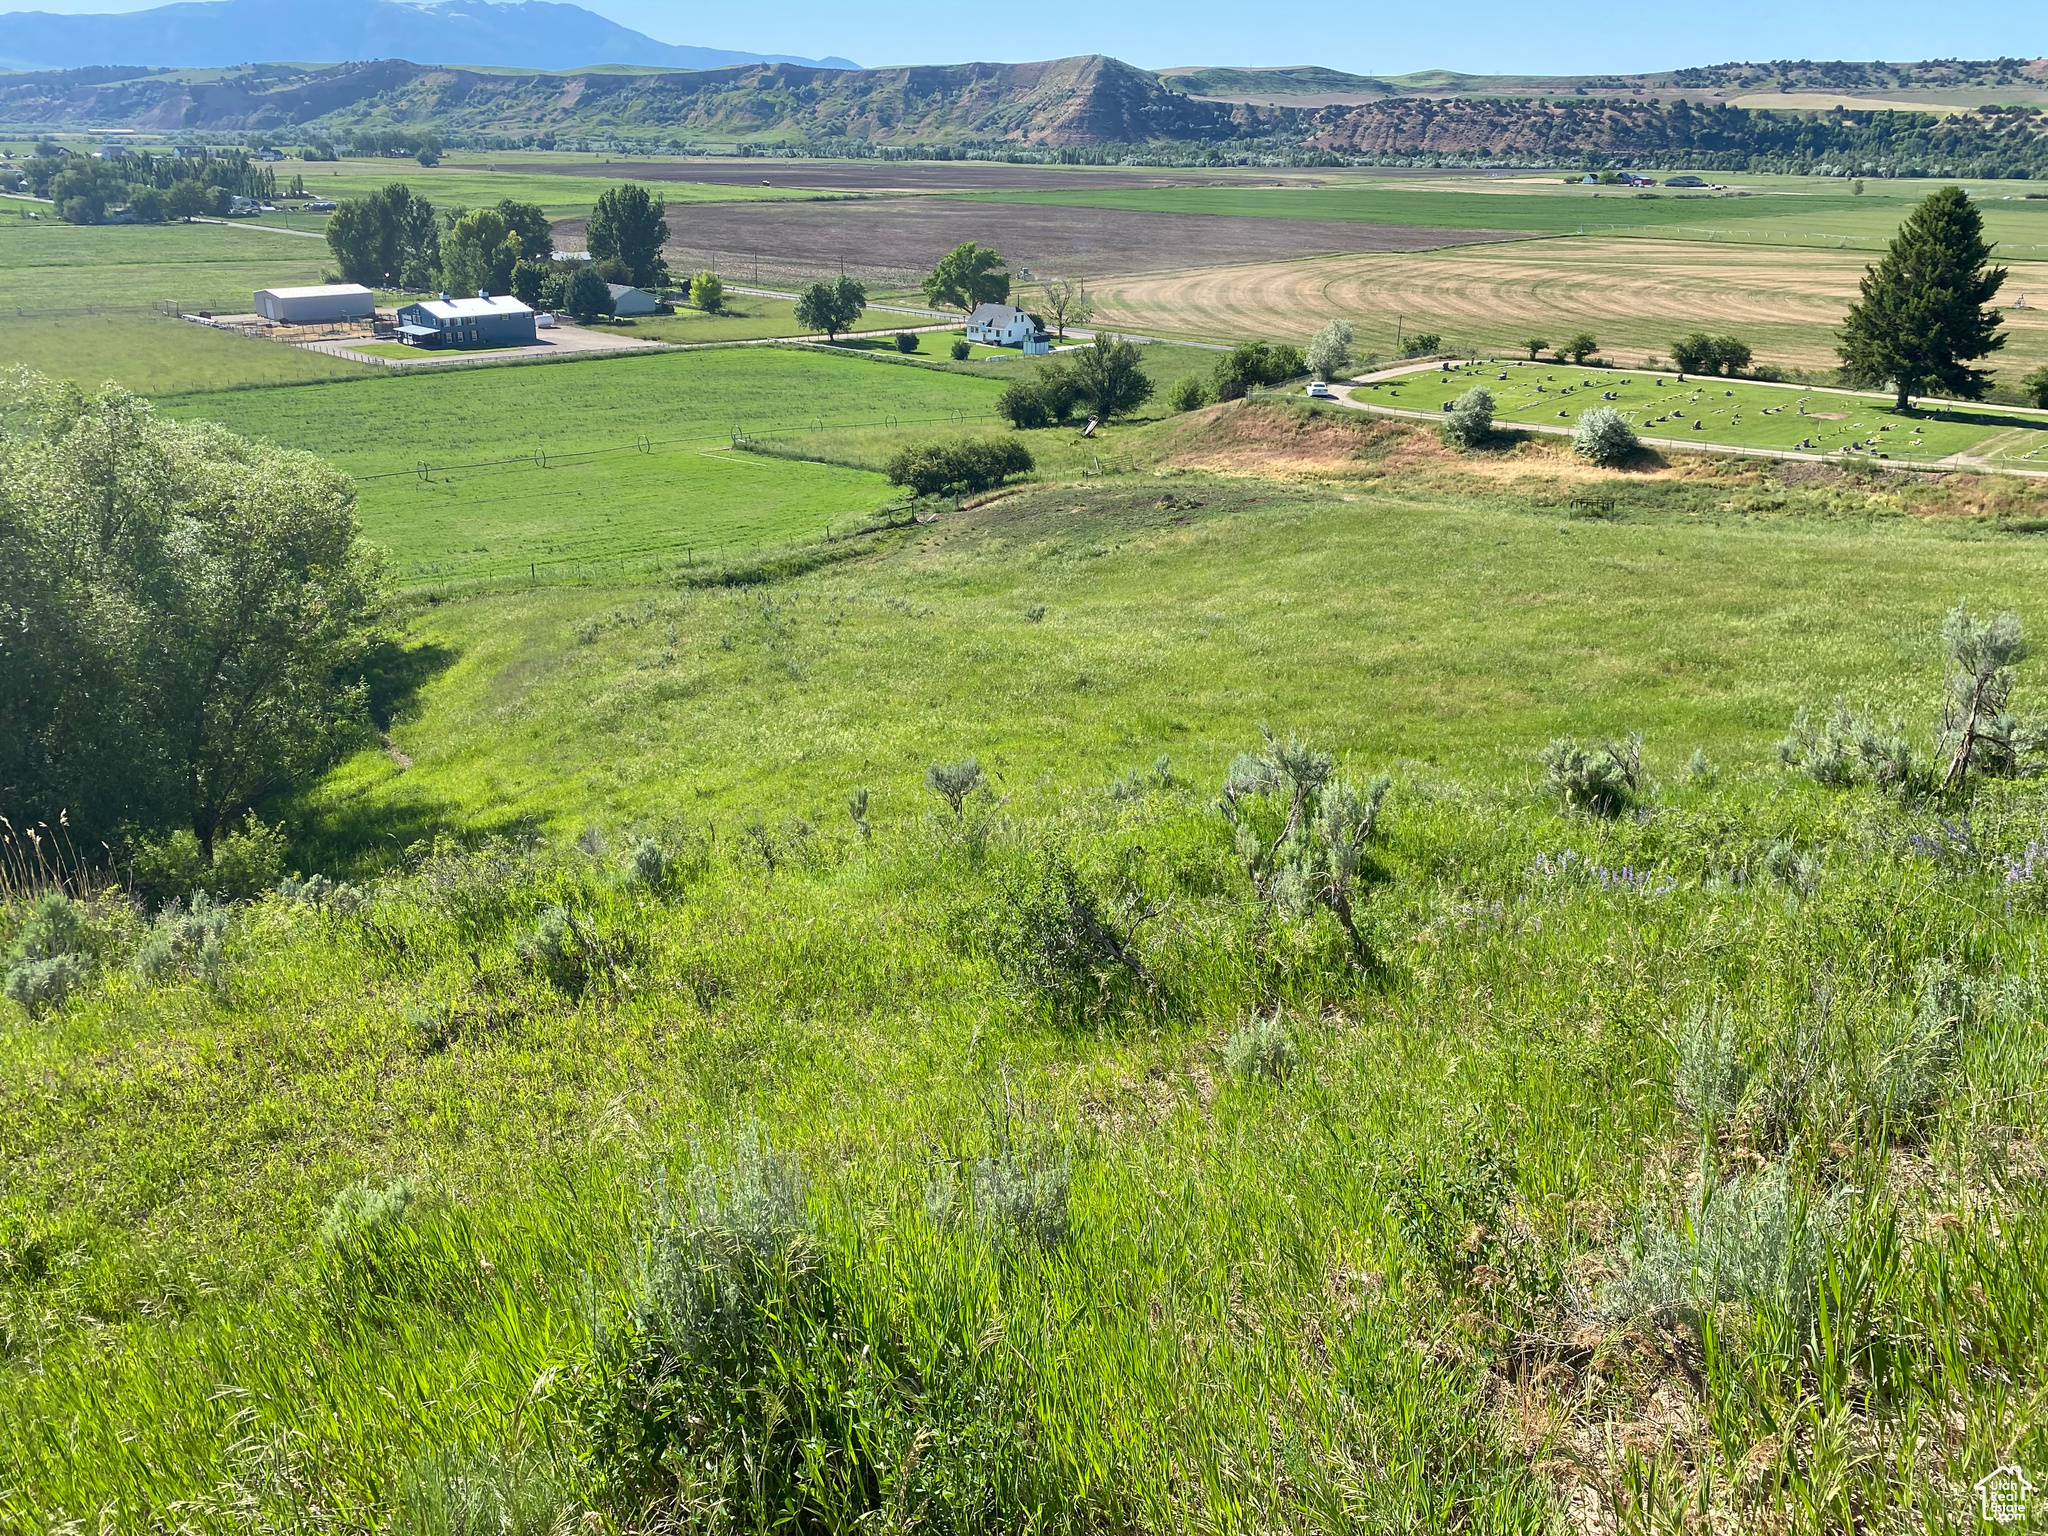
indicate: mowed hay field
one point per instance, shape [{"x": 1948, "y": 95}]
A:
[{"x": 1635, "y": 296}]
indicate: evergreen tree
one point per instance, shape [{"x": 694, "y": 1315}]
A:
[{"x": 1922, "y": 318}]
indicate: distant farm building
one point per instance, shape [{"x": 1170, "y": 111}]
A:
[
  {"x": 326, "y": 305},
  {"x": 479, "y": 322},
  {"x": 632, "y": 301},
  {"x": 1005, "y": 325}
]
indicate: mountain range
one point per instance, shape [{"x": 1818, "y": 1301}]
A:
[{"x": 515, "y": 34}]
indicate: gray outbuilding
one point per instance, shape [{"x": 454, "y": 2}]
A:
[{"x": 316, "y": 306}]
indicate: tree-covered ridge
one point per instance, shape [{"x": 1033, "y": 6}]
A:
[{"x": 1089, "y": 107}]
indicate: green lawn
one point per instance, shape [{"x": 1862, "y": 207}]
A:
[
  {"x": 745, "y": 317},
  {"x": 598, "y": 500},
  {"x": 1730, "y": 411}
]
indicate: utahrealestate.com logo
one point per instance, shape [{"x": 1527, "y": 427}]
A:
[{"x": 2002, "y": 1495}]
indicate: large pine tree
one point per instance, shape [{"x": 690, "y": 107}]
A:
[{"x": 1922, "y": 320}]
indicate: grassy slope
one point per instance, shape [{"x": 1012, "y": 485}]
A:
[
  {"x": 619, "y": 505},
  {"x": 1243, "y": 1324}
]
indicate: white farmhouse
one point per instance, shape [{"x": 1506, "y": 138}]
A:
[
  {"x": 316, "y": 306},
  {"x": 1005, "y": 325}
]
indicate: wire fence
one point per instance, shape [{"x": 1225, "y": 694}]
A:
[{"x": 542, "y": 457}]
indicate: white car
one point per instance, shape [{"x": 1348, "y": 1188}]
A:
[{"x": 1321, "y": 391}]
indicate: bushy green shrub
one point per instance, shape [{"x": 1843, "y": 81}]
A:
[
  {"x": 961, "y": 467},
  {"x": 1255, "y": 364},
  {"x": 1604, "y": 437},
  {"x": 1046, "y": 399},
  {"x": 1601, "y": 780},
  {"x": 1301, "y": 831},
  {"x": 1422, "y": 344},
  {"x": 1260, "y": 1050},
  {"x": 1470, "y": 419},
  {"x": 1187, "y": 394},
  {"x": 246, "y": 862},
  {"x": 1058, "y": 943},
  {"x": 906, "y": 341},
  {"x": 961, "y": 351}
]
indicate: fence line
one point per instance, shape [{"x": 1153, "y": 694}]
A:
[{"x": 543, "y": 458}]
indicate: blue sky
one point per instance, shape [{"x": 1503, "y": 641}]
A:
[{"x": 1480, "y": 36}]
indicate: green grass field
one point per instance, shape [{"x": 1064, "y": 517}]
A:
[
  {"x": 69, "y": 267},
  {"x": 154, "y": 355},
  {"x": 1409, "y": 1252},
  {"x": 599, "y": 500},
  {"x": 1807, "y": 216},
  {"x": 1731, "y": 411}
]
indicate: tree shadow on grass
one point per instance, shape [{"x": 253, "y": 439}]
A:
[{"x": 395, "y": 673}]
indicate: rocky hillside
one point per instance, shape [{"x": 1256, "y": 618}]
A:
[{"x": 1081, "y": 101}]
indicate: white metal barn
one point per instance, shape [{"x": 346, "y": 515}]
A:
[
  {"x": 632, "y": 301},
  {"x": 316, "y": 306}
]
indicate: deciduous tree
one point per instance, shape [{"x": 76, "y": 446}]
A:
[
  {"x": 183, "y": 611},
  {"x": 627, "y": 224},
  {"x": 831, "y": 307},
  {"x": 1066, "y": 303},
  {"x": 968, "y": 276},
  {"x": 1108, "y": 378}
]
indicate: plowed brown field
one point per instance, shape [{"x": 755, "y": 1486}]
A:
[{"x": 1633, "y": 295}]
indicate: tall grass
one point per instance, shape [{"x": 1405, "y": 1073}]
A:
[{"x": 809, "y": 1215}]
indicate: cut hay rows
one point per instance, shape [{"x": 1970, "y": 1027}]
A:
[{"x": 1634, "y": 295}]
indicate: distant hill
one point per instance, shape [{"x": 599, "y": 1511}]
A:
[
  {"x": 1966, "y": 82},
  {"x": 1062, "y": 102},
  {"x": 1090, "y": 107},
  {"x": 521, "y": 34}
]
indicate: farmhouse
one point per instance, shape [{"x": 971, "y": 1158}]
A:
[
  {"x": 1005, "y": 325},
  {"x": 627, "y": 300},
  {"x": 479, "y": 322},
  {"x": 316, "y": 306}
]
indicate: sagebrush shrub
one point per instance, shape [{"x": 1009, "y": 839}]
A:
[
  {"x": 41, "y": 984},
  {"x": 1601, "y": 780},
  {"x": 1752, "y": 1239},
  {"x": 1977, "y": 729},
  {"x": 648, "y": 866},
  {"x": 954, "y": 782},
  {"x": 1470, "y": 420},
  {"x": 1301, "y": 831},
  {"x": 1261, "y": 1050},
  {"x": 187, "y": 940},
  {"x": 1021, "y": 1195},
  {"x": 1847, "y": 745},
  {"x": 1708, "y": 1075},
  {"x": 1604, "y": 437},
  {"x": 562, "y": 949}
]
